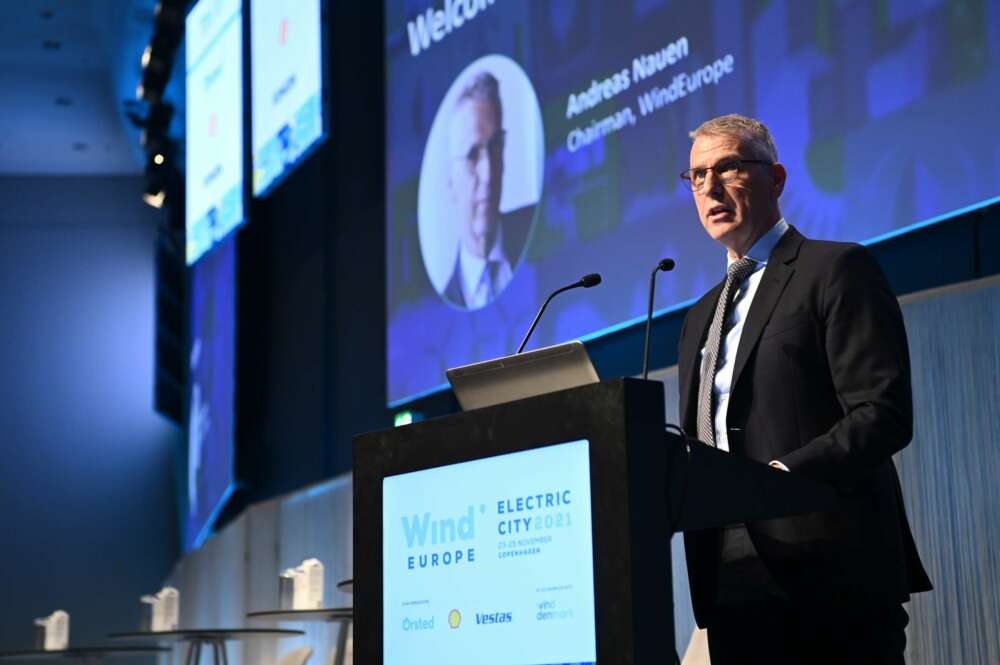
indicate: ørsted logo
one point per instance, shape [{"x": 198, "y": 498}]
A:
[
  {"x": 494, "y": 617},
  {"x": 418, "y": 623}
]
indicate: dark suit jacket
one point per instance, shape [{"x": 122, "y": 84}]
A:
[
  {"x": 822, "y": 383},
  {"x": 516, "y": 226}
]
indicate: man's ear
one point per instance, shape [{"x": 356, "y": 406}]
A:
[{"x": 779, "y": 174}]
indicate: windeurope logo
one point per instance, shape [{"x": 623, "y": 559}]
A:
[{"x": 447, "y": 540}]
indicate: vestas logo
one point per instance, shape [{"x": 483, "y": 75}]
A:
[
  {"x": 494, "y": 617},
  {"x": 436, "y": 24},
  {"x": 421, "y": 531}
]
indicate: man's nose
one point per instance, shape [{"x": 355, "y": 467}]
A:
[
  {"x": 712, "y": 185},
  {"x": 484, "y": 167}
]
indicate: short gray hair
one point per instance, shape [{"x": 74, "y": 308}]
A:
[
  {"x": 483, "y": 87},
  {"x": 753, "y": 132}
]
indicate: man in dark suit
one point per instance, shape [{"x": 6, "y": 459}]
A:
[{"x": 797, "y": 359}]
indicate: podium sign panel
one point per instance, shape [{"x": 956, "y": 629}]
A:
[
  {"x": 528, "y": 588},
  {"x": 490, "y": 561}
]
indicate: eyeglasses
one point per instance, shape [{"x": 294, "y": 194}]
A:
[
  {"x": 727, "y": 171},
  {"x": 492, "y": 149}
]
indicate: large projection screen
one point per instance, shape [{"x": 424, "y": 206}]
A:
[
  {"x": 884, "y": 115},
  {"x": 286, "y": 65},
  {"x": 213, "y": 180}
]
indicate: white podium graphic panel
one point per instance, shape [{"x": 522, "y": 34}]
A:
[{"x": 491, "y": 561}]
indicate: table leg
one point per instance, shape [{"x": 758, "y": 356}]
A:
[
  {"x": 222, "y": 650},
  {"x": 342, "y": 642}
]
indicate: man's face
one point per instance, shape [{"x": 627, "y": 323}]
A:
[
  {"x": 476, "y": 143},
  {"x": 737, "y": 213}
]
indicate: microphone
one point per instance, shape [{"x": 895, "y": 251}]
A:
[
  {"x": 665, "y": 265},
  {"x": 586, "y": 282}
]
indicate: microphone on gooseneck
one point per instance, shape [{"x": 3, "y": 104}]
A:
[
  {"x": 586, "y": 282},
  {"x": 665, "y": 265}
]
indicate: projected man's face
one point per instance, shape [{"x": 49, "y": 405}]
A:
[
  {"x": 476, "y": 143},
  {"x": 735, "y": 213}
]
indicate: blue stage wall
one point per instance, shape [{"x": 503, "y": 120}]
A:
[{"x": 86, "y": 477}]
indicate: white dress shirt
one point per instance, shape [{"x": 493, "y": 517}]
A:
[
  {"x": 480, "y": 283},
  {"x": 745, "y": 290}
]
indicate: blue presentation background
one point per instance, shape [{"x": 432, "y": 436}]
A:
[
  {"x": 213, "y": 330},
  {"x": 882, "y": 112}
]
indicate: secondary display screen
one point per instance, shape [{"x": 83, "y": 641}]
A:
[
  {"x": 213, "y": 179},
  {"x": 286, "y": 53},
  {"x": 490, "y": 561},
  {"x": 532, "y": 142},
  {"x": 212, "y": 389}
]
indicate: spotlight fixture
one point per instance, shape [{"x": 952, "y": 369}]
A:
[
  {"x": 154, "y": 200},
  {"x": 149, "y": 113},
  {"x": 157, "y": 181}
]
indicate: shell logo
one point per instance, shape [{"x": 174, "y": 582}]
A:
[{"x": 454, "y": 618}]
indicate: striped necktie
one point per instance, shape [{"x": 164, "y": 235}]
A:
[{"x": 736, "y": 273}]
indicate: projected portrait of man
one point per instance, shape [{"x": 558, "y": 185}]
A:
[{"x": 489, "y": 242}]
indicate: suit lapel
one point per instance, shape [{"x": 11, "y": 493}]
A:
[
  {"x": 694, "y": 337},
  {"x": 780, "y": 268}
]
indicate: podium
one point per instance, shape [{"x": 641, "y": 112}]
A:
[{"x": 645, "y": 484}]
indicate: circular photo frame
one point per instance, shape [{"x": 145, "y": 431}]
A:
[{"x": 480, "y": 182}]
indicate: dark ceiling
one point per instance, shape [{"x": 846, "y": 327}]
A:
[{"x": 66, "y": 67}]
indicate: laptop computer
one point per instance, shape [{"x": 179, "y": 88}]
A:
[{"x": 523, "y": 375}]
